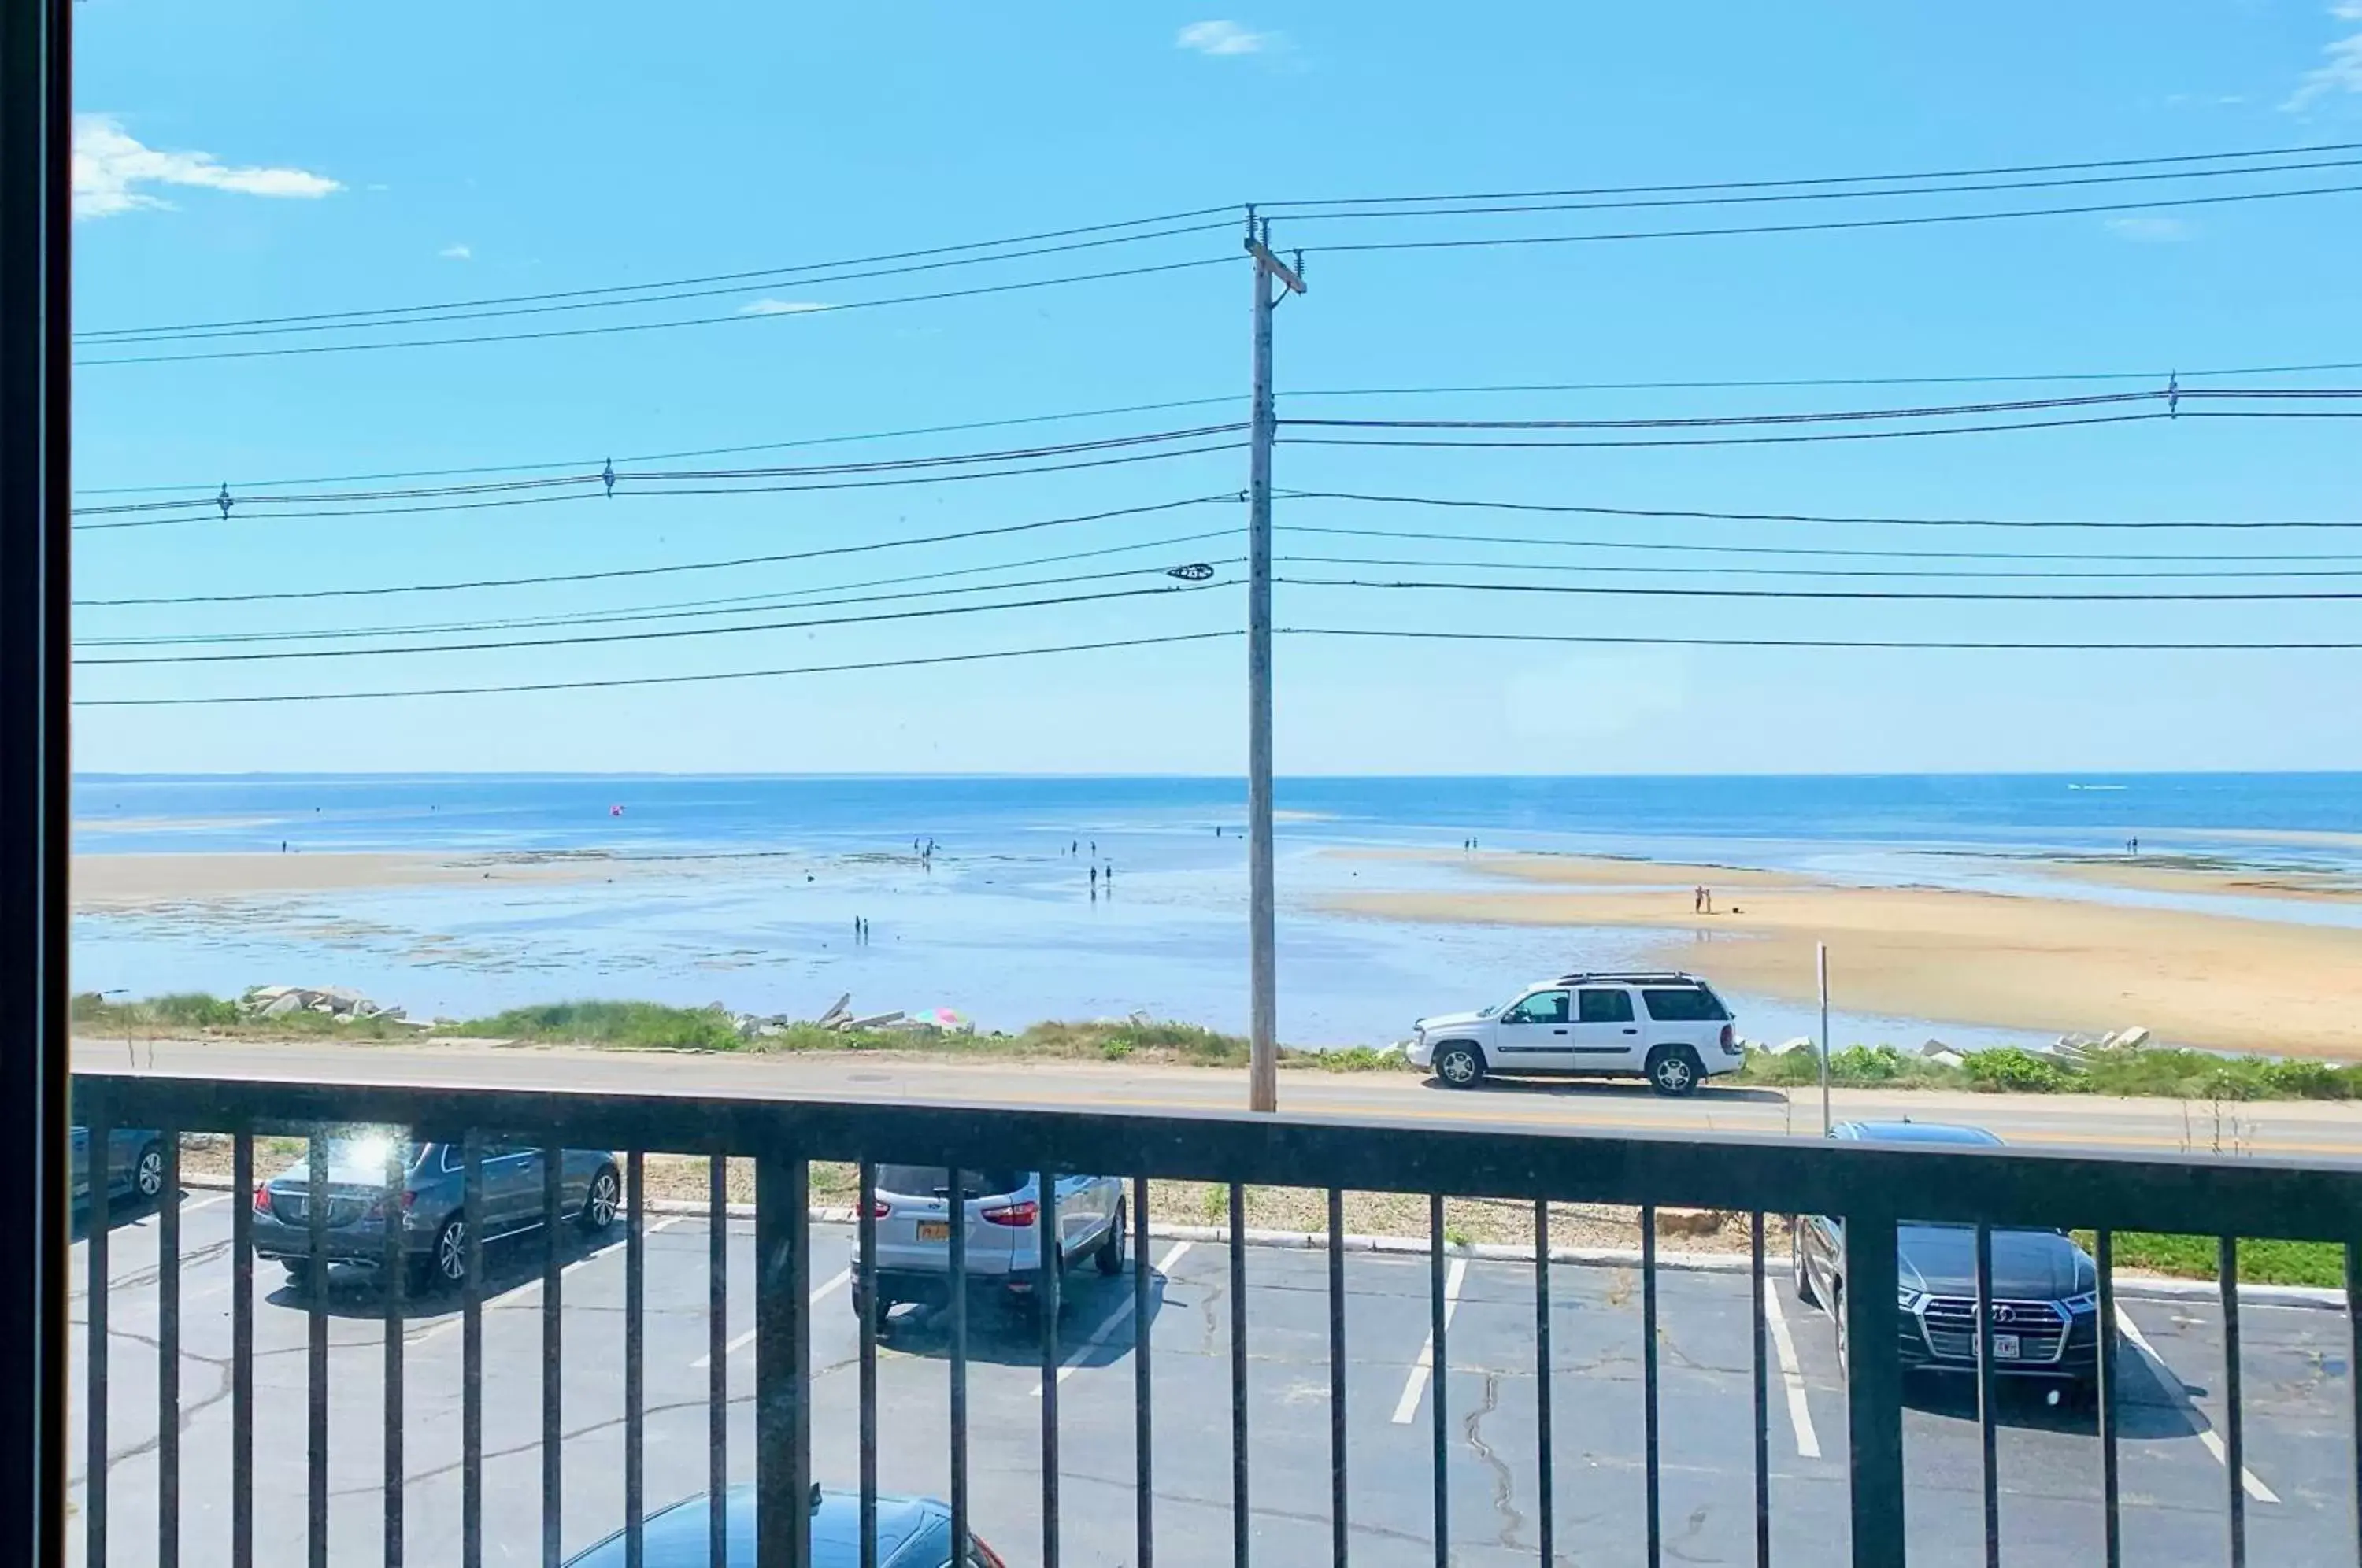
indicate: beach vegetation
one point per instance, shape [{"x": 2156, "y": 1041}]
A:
[
  {"x": 2154, "y": 1072},
  {"x": 631, "y": 1024}
]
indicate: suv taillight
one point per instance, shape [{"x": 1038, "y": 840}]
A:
[
  {"x": 879, "y": 1208},
  {"x": 262, "y": 1197},
  {"x": 1024, "y": 1211},
  {"x": 1726, "y": 1036}
]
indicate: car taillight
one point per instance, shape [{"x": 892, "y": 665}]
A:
[
  {"x": 1024, "y": 1211},
  {"x": 1725, "y": 1037},
  {"x": 982, "y": 1556},
  {"x": 261, "y": 1198},
  {"x": 879, "y": 1208}
]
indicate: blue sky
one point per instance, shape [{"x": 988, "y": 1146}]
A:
[{"x": 270, "y": 159}]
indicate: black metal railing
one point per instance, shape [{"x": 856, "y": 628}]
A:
[{"x": 1872, "y": 1188}]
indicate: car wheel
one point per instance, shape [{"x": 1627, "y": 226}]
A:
[
  {"x": 450, "y": 1259},
  {"x": 1459, "y": 1066},
  {"x": 599, "y": 1205},
  {"x": 1109, "y": 1256},
  {"x": 876, "y": 1311},
  {"x": 1675, "y": 1070},
  {"x": 147, "y": 1174},
  {"x": 1796, "y": 1264}
]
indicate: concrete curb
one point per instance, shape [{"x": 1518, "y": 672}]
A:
[{"x": 2132, "y": 1287}]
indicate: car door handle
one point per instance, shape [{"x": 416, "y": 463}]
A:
[
  {"x": 1557, "y": 1031},
  {"x": 1629, "y": 1029}
]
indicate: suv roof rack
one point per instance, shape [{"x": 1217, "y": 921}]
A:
[{"x": 1679, "y": 976}]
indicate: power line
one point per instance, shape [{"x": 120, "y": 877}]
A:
[
  {"x": 1815, "y": 642},
  {"x": 1911, "y": 221},
  {"x": 1666, "y": 512},
  {"x": 635, "y": 479},
  {"x": 912, "y": 663},
  {"x": 870, "y": 483},
  {"x": 2210, "y": 574},
  {"x": 610, "y": 328},
  {"x": 673, "y": 634},
  {"x": 1817, "y": 551},
  {"x": 748, "y": 605},
  {"x": 616, "y": 573},
  {"x": 1947, "y": 596},
  {"x": 749, "y": 279},
  {"x": 1276, "y": 207},
  {"x": 1484, "y": 207},
  {"x": 194, "y": 336},
  {"x": 2170, "y": 394},
  {"x": 240, "y": 486},
  {"x": 2074, "y": 421}
]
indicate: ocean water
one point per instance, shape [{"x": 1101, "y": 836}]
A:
[{"x": 1004, "y": 923}]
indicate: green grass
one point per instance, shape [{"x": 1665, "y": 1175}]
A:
[
  {"x": 2260, "y": 1263},
  {"x": 2156, "y": 1073},
  {"x": 629, "y": 1025},
  {"x": 97, "y": 1018}
]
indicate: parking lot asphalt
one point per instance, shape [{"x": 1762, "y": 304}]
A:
[{"x": 2175, "y": 1486}]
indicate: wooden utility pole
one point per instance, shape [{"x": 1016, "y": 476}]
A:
[{"x": 1263, "y": 1031}]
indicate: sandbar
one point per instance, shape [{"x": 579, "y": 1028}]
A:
[{"x": 2036, "y": 963}]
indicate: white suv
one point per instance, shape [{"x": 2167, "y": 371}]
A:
[{"x": 1666, "y": 1026}]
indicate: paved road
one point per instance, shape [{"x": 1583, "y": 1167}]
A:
[
  {"x": 2298, "y": 1397},
  {"x": 2295, "y": 1130}
]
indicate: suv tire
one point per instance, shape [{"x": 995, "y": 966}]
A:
[
  {"x": 1458, "y": 1066},
  {"x": 1675, "y": 1070},
  {"x": 1110, "y": 1256}
]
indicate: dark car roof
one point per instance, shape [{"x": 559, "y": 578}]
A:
[
  {"x": 677, "y": 1538},
  {"x": 1913, "y": 1132}
]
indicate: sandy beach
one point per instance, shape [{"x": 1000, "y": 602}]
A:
[
  {"x": 2201, "y": 875},
  {"x": 1973, "y": 957}
]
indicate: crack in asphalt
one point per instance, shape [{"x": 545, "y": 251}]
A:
[{"x": 1505, "y": 1487}]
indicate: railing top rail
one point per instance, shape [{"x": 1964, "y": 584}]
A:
[{"x": 2208, "y": 1194}]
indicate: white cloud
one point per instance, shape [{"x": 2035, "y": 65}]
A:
[
  {"x": 110, "y": 165},
  {"x": 457, "y": 253},
  {"x": 783, "y": 307},
  {"x": 1225, "y": 38},
  {"x": 2340, "y": 70},
  {"x": 2153, "y": 230}
]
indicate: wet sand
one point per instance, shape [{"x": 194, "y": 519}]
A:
[
  {"x": 2047, "y": 965},
  {"x": 2203, "y": 875},
  {"x": 102, "y": 882}
]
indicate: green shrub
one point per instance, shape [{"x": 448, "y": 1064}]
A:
[
  {"x": 2310, "y": 1080},
  {"x": 645, "y": 1025},
  {"x": 2005, "y": 1070},
  {"x": 1865, "y": 1065},
  {"x": 1116, "y": 1050}
]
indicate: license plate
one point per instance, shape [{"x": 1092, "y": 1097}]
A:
[
  {"x": 2006, "y": 1347},
  {"x": 941, "y": 1231}
]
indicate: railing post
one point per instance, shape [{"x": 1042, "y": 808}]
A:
[
  {"x": 782, "y": 1363},
  {"x": 1873, "y": 1390},
  {"x": 35, "y": 138}
]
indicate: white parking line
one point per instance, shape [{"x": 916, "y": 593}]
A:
[
  {"x": 821, "y": 1292},
  {"x": 2248, "y": 1481},
  {"x": 1115, "y": 1319},
  {"x": 1416, "y": 1385},
  {"x": 205, "y": 1203},
  {"x": 1799, "y": 1411}
]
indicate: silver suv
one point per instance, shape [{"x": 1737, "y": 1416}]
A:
[
  {"x": 1663, "y": 1025},
  {"x": 1003, "y": 1222}
]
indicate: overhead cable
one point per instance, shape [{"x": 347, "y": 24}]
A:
[
  {"x": 1471, "y": 502},
  {"x": 916, "y": 662},
  {"x": 1627, "y": 590},
  {"x": 1886, "y": 643},
  {"x": 749, "y": 279},
  {"x": 1059, "y": 601},
  {"x": 805, "y": 312},
  {"x": 616, "y": 573}
]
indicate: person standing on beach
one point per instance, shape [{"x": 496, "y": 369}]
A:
[
  {"x": 1095, "y": 881},
  {"x": 1697, "y": 900}
]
